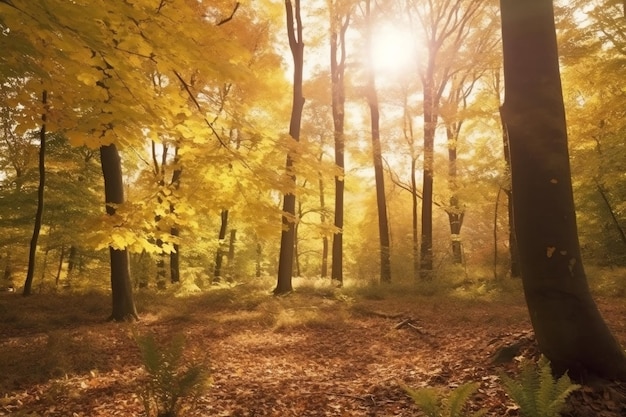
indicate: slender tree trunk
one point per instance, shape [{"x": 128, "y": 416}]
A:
[
  {"x": 381, "y": 199},
  {"x": 71, "y": 260},
  {"x": 59, "y": 266},
  {"x": 159, "y": 172},
  {"x": 454, "y": 211},
  {"x": 287, "y": 239},
  {"x": 219, "y": 256},
  {"x": 174, "y": 230},
  {"x": 415, "y": 219},
  {"x": 605, "y": 199},
  {"x": 339, "y": 26},
  {"x": 32, "y": 254},
  {"x": 430, "y": 125},
  {"x": 232, "y": 241},
  {"x": 259, "y": 260},
  {"x": 296, "y": 246},
  {"x": 121, "y": 286},
  {"x": 324, "y": 267},
  {"x": 568, "y": 326}
]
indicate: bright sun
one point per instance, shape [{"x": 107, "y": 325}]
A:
[{"x": 393, "y": 50}]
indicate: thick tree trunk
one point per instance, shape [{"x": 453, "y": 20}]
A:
[
  {"x": 121, "y": 286},
  {"x": 32, "y": 254},
  {"x": 339, "y": 26},
  {"x": 568, "y": 327},
  {"x": 287, "y": 239}
]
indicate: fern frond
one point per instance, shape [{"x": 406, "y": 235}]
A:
[
  {"x": 536, "y": 391},
  {"x": 458, "y": 398},
  {"x": 427, "y": 399}
]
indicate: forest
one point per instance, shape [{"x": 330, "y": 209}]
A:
[{"x": 319, "y": 208}]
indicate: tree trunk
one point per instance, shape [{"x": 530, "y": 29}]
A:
[
  {"x": 121, "y": 286},
  {"x": 32, "y": 254},
  {"x": 57, "y": 278},
  {"x": 219, "y": 256},
  {"x": 339, "y": 26},
  {"x": 430, "y": 125},
  {"x": 71, "y": 260},
  {"x": 174, "y": 230},
  {"x": 454, "y": 211},
  {"x": 159, "y": 173},
  {"x": 324, "y": 267},
  {"x": 414, "y": 217},
  {"x": 381, "y": 199},
  {"x": 568, "y": 326},
  {"x": 285, "y": 262},
  {"x": 231, "y": 253}
]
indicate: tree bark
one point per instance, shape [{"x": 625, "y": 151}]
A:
[
  {"x": 32, "y": 254},
  {"x": 287, "y": 239},
  {"x": 568, "y": 326},
  {"x": 121, "y": 286}
]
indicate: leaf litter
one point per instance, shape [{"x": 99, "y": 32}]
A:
[{"x": 350, "y": 363}]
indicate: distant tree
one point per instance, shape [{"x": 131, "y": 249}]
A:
[
  {"x": 445, "y": 25},
  {"x": 32, "y": 254},
  {"x": 568, "y": 326}
]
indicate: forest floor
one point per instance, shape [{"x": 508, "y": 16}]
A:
[{"x": 317, "y": 352}]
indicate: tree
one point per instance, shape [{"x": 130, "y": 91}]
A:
[
  {"x": 445, "y": 25},
  {"x": 40, "y": 201},
  {"x": 121, "y": 286},
  {"x": 287, "y": 239},
  {"x": 381, "y": 202},
  {"x": 339, "y": 22},
  {"x": 568, "y": 326}
]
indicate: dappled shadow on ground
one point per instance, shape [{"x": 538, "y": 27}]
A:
[{"x": 302, "y": 355}]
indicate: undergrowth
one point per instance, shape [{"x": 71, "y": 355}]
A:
[
  {"x": 536, "y": 391},
  {"x": 171, "y": 386},
  {"x": 437, "y": 402}
]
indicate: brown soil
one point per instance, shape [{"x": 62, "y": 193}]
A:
[{"x": 302, "y": 355}]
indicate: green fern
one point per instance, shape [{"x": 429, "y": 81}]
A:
[
  {"x": 434, "y": 404},
  {"x": 170, "y": 385},
  {"x": 537, "y": 392}
]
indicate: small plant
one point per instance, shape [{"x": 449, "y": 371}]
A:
[
  {"x": 171, "y": 386},
  {"x": 434, "y": 403},
  {"x": 537, "y": 392}
]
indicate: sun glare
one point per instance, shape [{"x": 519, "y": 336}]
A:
[{"x": 393, "y": 50}]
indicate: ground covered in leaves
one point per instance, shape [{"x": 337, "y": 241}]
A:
[{"x": 317, "y": 352}]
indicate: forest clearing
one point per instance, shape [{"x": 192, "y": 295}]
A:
[{"x": 320, "y": 351}]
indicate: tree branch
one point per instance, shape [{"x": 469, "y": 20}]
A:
[{"x": 229, "y": 18}]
